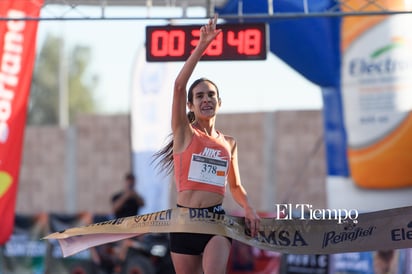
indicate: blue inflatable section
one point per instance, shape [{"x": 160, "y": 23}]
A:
[{"x": 311, "y": 46}]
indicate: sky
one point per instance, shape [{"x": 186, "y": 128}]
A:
[{"x": 245, "y": 86}]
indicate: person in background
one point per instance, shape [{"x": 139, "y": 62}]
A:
[
  {"x": 204, "y": 161},
  {"x": 127, "y": 202}
]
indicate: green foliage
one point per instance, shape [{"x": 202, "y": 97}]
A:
[{"x": 44, "y": 93}]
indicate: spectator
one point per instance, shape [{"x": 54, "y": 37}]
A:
[{"x": 127, "y": 202}]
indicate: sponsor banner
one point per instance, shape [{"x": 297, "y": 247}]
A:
[
  {"x": 17, "y": 54},
  {"x": 25, "y": 252},
  {"x": 369, "y": 117},
  {"x": 387, "y": 229},
  {"x": 150, "y": 126},
  {"x": 377, "y": 96},
  {"x": 376, "y": 262},
  {"x": 303, "y": 264}
]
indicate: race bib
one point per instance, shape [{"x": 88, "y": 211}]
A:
[{"x": 207, "y": 170}]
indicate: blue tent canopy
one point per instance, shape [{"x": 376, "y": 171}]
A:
[{"x": 309, "y": 45}]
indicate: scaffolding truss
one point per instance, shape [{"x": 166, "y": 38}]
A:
[{"x": 102, "y": 9}]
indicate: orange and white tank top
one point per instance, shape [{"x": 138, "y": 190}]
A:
[{"x": 204, "y": 164}]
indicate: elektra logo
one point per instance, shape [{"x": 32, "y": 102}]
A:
[
  {"x": 307, "y": 212},
  {"x": 381, "y": 62},
  {"x": 402, "y": 234},
  {"x": 333, "y": 237}
]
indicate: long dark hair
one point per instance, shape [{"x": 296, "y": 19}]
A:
[{"x": 164, "y": 157}]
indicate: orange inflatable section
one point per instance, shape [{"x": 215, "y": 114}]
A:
[{"x": 387, "y": 163}]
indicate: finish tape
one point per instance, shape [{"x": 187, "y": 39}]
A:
[{"x": 386, "y": 229}]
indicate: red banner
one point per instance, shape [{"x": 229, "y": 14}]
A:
[{"x": 17, "y": 54}]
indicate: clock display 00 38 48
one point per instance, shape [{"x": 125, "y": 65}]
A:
[{"x": 246, "y": 41}]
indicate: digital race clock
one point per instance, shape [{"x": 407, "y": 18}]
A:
[{"x": 245, "y": 41}]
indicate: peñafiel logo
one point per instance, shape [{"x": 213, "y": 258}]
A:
[
  {"x": 402, "y": 234},
  {"x": 332, "y": 237}
]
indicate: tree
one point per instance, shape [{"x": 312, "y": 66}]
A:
[{"x": 44, "y": 93}]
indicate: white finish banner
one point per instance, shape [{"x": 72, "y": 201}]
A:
[{"x": 386, "y": 229}]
